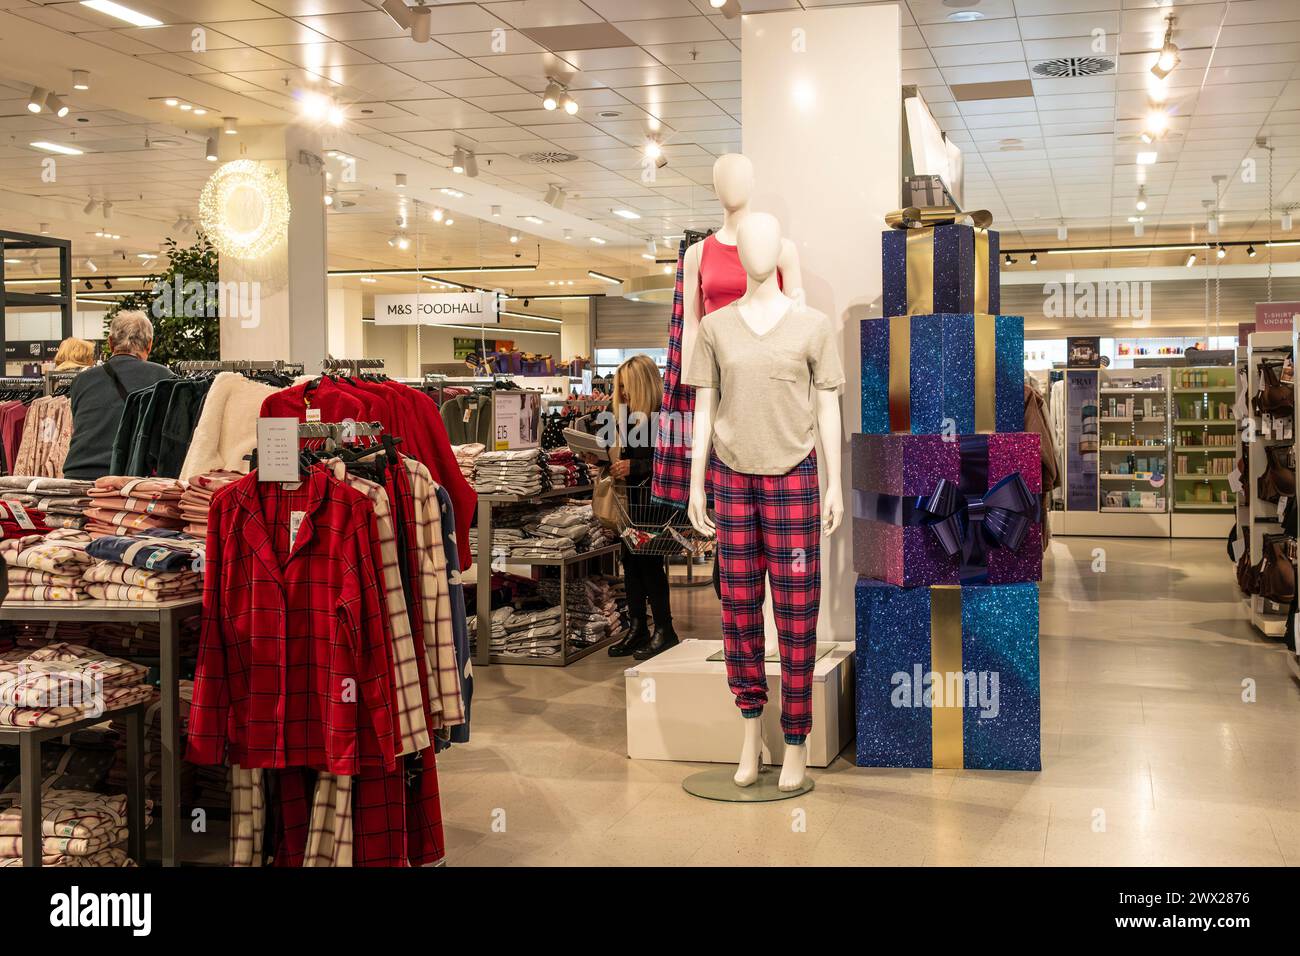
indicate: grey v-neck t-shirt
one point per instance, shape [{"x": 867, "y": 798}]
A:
[{"x": 767, "y": 412}]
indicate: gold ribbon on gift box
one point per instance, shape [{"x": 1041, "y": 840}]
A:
[
  {"x": 946, "y": 742},
  {"x": 919, "y": 222}
]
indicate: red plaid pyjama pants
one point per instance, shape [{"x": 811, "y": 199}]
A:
[{"x": 770, "y": 525}]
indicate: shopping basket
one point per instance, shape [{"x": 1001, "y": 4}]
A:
[{"x": 652, "y": 527}]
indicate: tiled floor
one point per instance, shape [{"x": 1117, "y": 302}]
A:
[{"x": 1150, "y": 754}]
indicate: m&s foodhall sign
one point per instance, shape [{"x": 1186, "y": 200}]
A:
[{"x": 438, "y": 308}]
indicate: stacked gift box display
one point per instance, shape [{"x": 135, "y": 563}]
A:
[{"x": 947, "y": 540}]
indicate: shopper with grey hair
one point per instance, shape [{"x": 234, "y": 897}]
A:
[{"x": 98, "y": 394}]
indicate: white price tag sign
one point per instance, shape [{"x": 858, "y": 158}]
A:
[{"x": 277, "y": 449}]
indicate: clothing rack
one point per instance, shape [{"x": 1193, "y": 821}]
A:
[
  {"x": 335, "y": 432},
  {"x": 351, "y": 366},
  {"x": 239, "y": 365}
]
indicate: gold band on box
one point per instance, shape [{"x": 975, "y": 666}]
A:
[{"x": 947, "y": 748}]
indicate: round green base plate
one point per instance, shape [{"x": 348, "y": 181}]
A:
[{"x": 718, "y": 784}]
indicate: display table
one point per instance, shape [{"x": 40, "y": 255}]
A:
[
  {"x": 28, "y": 740},
  {"x": 680, "y": 708},
  {"x": 167, "y": 615}
]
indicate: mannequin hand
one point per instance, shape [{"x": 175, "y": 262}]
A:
[
  {"x": 698, "y": 512},
  {"x": 832, "y": 513}
]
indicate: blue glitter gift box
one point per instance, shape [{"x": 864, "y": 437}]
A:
[
  {"x": 943, "y": 268},
  {"x": 947, "y": 677},
  {"x": 950, "y": 373}
]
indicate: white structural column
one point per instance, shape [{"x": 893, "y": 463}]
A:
[
  {"x": 346, "y": 335},
  {"x": 821, "y": 99},
  {"x": 289, "y": 283}
]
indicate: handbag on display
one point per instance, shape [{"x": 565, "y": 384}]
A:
[
  {"x": 1274, "y": 397},
  {"x": 1276, "y": 574},
  {"x": 1279, "y": 476}
]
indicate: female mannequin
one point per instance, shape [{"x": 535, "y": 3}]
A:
[{"x": 767, "y": 374}]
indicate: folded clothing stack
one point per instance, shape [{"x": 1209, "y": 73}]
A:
[
  {"x": 78, "y": 828},
  {"x": 16, "y": 520},
  {"x": 197, "y": 499},
  {"x": 81, "y": 760},
  {"x": 503, "y": 541},
  {"x": 500, "y": 618},
  {"x": 158, "y": 551},
  {"x": 566, "y": 469},
  {"x": 125, "y": 506},
  {"x": 110, "y": 581},
  {"x": 466, "y": 456},
  {"x": 117, "y": 638},
  {"x": 597, "y": 606},
  {"x": 510, "y": 473},
  {"x": 51, "y": 502},
  {"x": 62, "y": 683},
  {"x": 47, "y": 568},
  {"x": 530, "y": 633},
  {"x": 530, "y": 549}
]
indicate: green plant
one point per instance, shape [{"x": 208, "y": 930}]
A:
[{"x": 182, "y": 302}]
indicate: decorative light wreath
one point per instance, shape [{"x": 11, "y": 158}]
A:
[{"x": 244, "y": 209}]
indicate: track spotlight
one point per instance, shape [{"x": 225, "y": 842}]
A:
[
  {"x": 108, "y": 285},
  {"x": 1062, "y": 233},
  {"x": 1033, "y": 258},
  {"x": 1286, "y": 221},
  {"x": 1250, "y": 251},
  {"x": 88, "y": 286},
  {"x": 36, "y": 102},
  {"x": 551, "y": 98},
  {"x": 89, "y": 207},
  {"x": 514, "y": 235},
  {"x": 398, "y": 12},
  {"x": 1007, "y": 260},
  {"x": 421, "y": 23},
  {"x": 80, "y": 80},
  {"x": 56, "y": 105},
  {"x": 90, "y": 264},
  {"x": 1191, "y": 260},
  {"x": 729, "y": 8},
  {"x": 210, "y": 151},
  {"x": 569, "y": 104},
  {"x": 471, "y": 164},
  {"x": 45, "y": 229},
  {"x": 1142, "y": 199},
  {"x": 1168, "y": 58},
  {"x": 329, "y": 199},
  {"x": 108, "y": 209},
  {"x": 399, "y": 180},
  {"x": 1221, "y": 252},
  {"x": 438, "y": 214},
  {"x": 458, "y": 160},
  {"x": 496, "y": 211},
  {"x": 652, "y": 148},
  {"x": 228, "y": 125},
  {"x": 651, "y": 250}
]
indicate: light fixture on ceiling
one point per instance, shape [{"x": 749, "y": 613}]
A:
[
  {"x": 458, "y": 160},
  {"x": 1139, "y": 228},
  {"x": 438, "y": 214},
  {"x": 568, "y": 234},
  {"x": 1221, "y": 252},
  {"x": 551, "y": 98},
  {"x": 80, "y": 80},
  {"x": 597, "y": 240},
  {"x": 1168, "y": 58},
  {"x": 120, "y": 12},
  {"x": 453, "y": 193},
  {"x": 1062, "y": 233},
  {"x": 416, "y": 19},
  {"x": 1033, "y": 258},
  {"x": 56, "y": 148},
  {"x": 329, "y": 199},
  {"x": 56, "y": 105},
  {"x": 187, "y": 107},
  {"x": 569, "y": 104},
  {"x": 653, "y": 149},
  {"x": 555, "y": 196},
  {"x": 728, "y": 8},
  {"x": 471, "y": 164},
  {"x": 496, "y": 211},
  {"x": 1286, "y": 221},
  {"x": 626, "y": 213},
  {"x": 90, "y": 205},
  {"x": 107, "y": 208},
  {"x": 45, "y": 229},
  {"x": 90, "y": 264},
  {"x": 651, "y": 250},
  {"x": 399, "y": 180},
  {"x": 603, "y": 277},
  {"x": 514, "y": 235},
  {"x": 1250, "y": 252},
  {"x": 1212, "y": 224},
  {"x": 108, "y": 285},
  {"x": 449, "y": 221},
  {"x": 171, "y": 101},
  {"x": 87, "y": 284},
  {"x": 1142, "y": 199},
  {"x": 965, "y": 16},
  {"x": 1157, "y": 125},
  {"x": 1191, "y": 260},
  {"x": 210, "y": 150},
  {"x": 535, "y": 220},
  {"x": 1147, "y": 158},
  {"x": 36, "y": 102},
  {"x": 1007, "y": 260},
  {"x": 400, "y": 241},
  {"x": 228, "y": 125}
]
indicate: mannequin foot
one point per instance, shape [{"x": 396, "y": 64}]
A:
[
  {"x": 751, "y": 753},
  {"x": 794, "y": 769}
]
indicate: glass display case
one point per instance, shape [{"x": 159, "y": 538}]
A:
[
  {"x": 1205, "y": 438},
  {"x": 1133, "y": 440}
]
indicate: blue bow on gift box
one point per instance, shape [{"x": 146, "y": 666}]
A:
[{"x": 970, "y": 525}]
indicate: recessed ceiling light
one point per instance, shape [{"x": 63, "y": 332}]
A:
[
  {"x": 1147, "y": 159},
  {"x": 120, "y": 12},
  {"x": 186, "y": 107},
  {"x": 228, "y": 125},
  {"x": 172, "y": 101},
  {"x": 80, "y": 80},
  {"x": 597, "y": 240},
  {"x": 965, "y": 16},
  {"x": 57, "y": 148},
  {"x": 627, "y": 214},
  {"x": 535, "y": 220}
]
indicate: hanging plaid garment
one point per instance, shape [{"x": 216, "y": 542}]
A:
[{"x": 671, "y": 483}]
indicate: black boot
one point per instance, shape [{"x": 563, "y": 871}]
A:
[
  {"x": 636, "y": 637},
  {"x": 662, "y": 639}
]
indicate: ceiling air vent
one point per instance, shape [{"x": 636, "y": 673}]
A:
[
  {"x": 550, "y": 157},
  {"x": 1074, "y": 66}
]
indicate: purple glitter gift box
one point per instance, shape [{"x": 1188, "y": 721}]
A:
[{"x": 930, "y": 509}]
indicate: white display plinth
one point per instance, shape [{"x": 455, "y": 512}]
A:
[{"x": 679, "y": 707}]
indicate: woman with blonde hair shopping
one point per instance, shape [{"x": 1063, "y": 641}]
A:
[{"x": 637, "y": 392}]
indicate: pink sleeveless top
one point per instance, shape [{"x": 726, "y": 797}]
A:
[{"x": 722, "y": 277}]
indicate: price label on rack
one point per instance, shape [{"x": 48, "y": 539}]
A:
[{"x": 277, "y": 449}]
